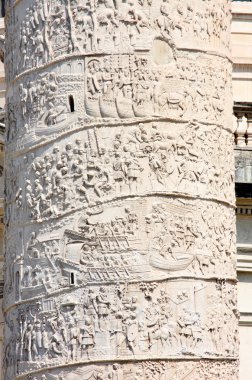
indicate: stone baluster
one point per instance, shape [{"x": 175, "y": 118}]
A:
[
  {"x": 241, "y": 130},
  {"x": 249, "y": 132}
]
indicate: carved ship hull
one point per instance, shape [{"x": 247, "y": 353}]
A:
[
  {"x": 89, "y": 373},
  {"x": 43, "y": 129},
  {"x": 143, "y": 111},
  {"x": 124, "y": 108},
  {"x": 107, "y": 243},
  {"x": 108, "y": 108},
  {"x": 92, "y": 107},
  {"x": 159, "y": 262}
]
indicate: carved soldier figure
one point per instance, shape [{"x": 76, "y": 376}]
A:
[
  {"x": 23, "y": 98},
  {"x": 119, "y": 172},
  {"x": 133, "y": 172},
  {"x": 103, "y": 304},
  {"x": 44, "y": 338},
  {"x": 117, "y": 372},
  {"x": 88, "y": 337},
  {"x": 58, "y": 347},
  {"x": 73, "y": 340},
  {"x": 39, "y": 51},
  {"x": 28, "y": 341},
  {"x": 94, "y": 78},
  {"x": 186, "y": 323}
]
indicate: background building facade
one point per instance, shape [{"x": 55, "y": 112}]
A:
[{"x": 242, "y": 86}]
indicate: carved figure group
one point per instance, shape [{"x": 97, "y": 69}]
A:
[
  {"x": 152, "y": 369},
  {"x": 130, "y": 86},
  {"x": 40, "y": 100},
  {"x": 141, "y": 158},
  {"x": 129, "y": 321},
  {"x": 47, "y": 32}
]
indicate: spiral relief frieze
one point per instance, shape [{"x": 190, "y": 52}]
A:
[{"x": 120, "y": 223}]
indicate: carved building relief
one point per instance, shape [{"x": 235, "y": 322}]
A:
[{"x": 120, "y": 226}]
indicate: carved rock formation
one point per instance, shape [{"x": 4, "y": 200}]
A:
[{"x": 120, "y": 224}]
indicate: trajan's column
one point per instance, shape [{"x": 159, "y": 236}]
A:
[{"x": 120, "y": 225}]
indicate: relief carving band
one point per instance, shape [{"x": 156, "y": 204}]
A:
[
  {"x": 147, "y": 370},
  {"x": 49, "y": 30},
  {"x": 117, "y": 88},
  {"x": 180, "y": 318},
  {"x": 120, "y": 221},
  {"x": 145, "y": 158},
  {"x": 137, "y": 240}
]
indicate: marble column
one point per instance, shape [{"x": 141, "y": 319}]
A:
[{"x": 120, "y": 222}]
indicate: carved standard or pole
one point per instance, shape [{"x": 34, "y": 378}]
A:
[{"x": 120, "y": 224}]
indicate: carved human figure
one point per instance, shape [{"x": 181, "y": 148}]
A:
[
  {"x": 87, "y": 337},
  {"x": 103, "y": 304}
]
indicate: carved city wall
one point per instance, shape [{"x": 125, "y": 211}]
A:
[{"x": 120, "y": 242}]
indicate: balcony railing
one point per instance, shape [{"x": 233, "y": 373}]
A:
[{"x": 243, "y": 130}]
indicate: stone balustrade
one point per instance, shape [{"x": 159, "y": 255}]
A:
[{"x": 243, "y": 129}]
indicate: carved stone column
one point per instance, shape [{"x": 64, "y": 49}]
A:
[{"x": 120, "y": 243}]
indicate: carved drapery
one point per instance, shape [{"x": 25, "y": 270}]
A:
[{"x": 120, "y": 242}]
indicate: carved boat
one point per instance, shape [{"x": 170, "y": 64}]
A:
[
  {"x": 92, "y": 107},
  {"x": 124, "y": 108},
  {"x": 143, "y": 110},
  {"x": 66, "y": 123},
  {"x": 89, "y": 373},
  {"x": 157, "y": 261},
  {"x": 95, "y": 210},
  {"x": 108, "y": 108},
  {"x": 29, "y": 139}
]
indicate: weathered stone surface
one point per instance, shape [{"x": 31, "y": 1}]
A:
[
  {"x": 119, "y": 183},
  {"x": 160, "y": 370}
]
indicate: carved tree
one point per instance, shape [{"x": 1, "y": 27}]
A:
[{"x": 120, "y": 224}]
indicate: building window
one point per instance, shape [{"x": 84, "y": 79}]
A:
[
  {"x": 72, "y": 278},
  {"x": 71, "y": 103}
]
